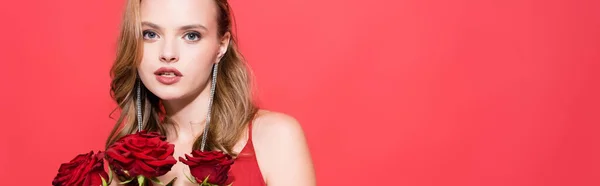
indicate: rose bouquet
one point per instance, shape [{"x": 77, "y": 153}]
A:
[{"x": 138, "y": 159}]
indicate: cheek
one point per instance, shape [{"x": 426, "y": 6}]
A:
[
  {"x": 149, "y": 55},
  {"x": 203, "y": 52},
  {"x": 148, "y": 64},
  {"x": 197, "y": 62}
]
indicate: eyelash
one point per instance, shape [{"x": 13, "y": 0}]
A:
[
  {"x": 195, "y": 34},
  {"x": 148, "y": 32}
]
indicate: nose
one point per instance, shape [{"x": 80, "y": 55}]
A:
[
  {"x": 168, "y": 58},
  {"x": 169, "y": 53}
]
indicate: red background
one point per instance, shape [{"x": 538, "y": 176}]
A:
[{"x": 412, "y": 92}]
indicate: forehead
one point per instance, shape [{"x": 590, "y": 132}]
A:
[{"x": 175, "y": 13}]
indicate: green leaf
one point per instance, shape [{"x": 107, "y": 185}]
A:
[
  {"x": 103, "y": 181},
  {"x": 156, "y": 180},
  {"x": 140, "y": 180},
  {"x": 189, "y": 178},
  {"x": 171, "y": 182},
  {"x": 110, "y": 175},
  {"x": 126, "y": 182},
  {"x": 205, "y": 180}
]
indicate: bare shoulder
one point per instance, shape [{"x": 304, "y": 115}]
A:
[
  {"x": 272, "y": 129},
  {"x": 269, "y": 124},
  {"x": 281, "y": 150}
]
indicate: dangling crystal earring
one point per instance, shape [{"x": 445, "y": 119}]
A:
[
  {"x": 138, "y": 102},
  {"x": 210, "y": 102}
]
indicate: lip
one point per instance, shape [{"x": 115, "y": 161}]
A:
[
  {"x": 167, "y": 80},
  {"x": 167, "y": 69}
]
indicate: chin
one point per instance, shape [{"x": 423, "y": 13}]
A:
[
  {"x": 170, "y": 97},
  {"x": 167, "y": 93}
]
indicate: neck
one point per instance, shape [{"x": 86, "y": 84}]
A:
[{"x": 188, "y": 114}]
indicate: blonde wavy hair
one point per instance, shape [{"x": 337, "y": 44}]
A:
[{"x": 233, "y": 106}]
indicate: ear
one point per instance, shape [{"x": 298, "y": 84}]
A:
[{"x": 223, "y": 45}]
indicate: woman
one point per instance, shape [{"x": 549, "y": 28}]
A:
[{"x": 173, "y": 51}]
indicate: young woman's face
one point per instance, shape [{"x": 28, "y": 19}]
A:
[{"x": 181, "y": 44}]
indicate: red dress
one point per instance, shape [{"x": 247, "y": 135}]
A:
[{"x": 245, "y": 171}]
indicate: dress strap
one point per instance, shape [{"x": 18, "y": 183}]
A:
[
  {"x": 248, "y": 150},
  {"x": 249, "y": 147}
]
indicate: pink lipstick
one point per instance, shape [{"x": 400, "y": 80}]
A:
[{"x": 167, "y": 75}]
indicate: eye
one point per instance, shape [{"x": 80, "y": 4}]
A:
[
  {"x": 192, "y": 36},
  {"x": 149, "y": 35}
]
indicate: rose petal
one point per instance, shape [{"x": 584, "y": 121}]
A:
[
  {"x": 146, "y": 153},
  {"x": 142, "y": 156},
  {"x": 169, "y": 152},
  {"x": 81, "y": 170},
  {"x": 118, "y": 157},
  {"x": 158, "y": 163}
]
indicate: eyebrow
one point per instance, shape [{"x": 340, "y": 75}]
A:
[{"x": 186, "y": 27}]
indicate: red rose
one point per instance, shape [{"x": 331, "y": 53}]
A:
[
  {"x": 143, "y": 153},
  {"x": 83, "y": 170},
  {"x": 213, "y": 164}
]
